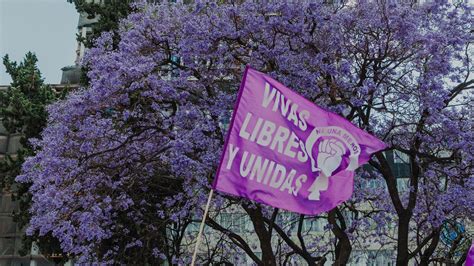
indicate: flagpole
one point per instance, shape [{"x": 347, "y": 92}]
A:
[{"x": 201, "y": 227}]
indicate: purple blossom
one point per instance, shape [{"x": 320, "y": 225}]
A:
[{"x": 141, "y": 144}]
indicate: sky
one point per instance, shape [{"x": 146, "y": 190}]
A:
[{"x": 46, "y": 27}]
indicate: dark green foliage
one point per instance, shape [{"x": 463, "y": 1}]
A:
[
  {"x": 23, "y": 104},
  {"x": 23, "y": 111},
  {"x": 108, "y": 13}
]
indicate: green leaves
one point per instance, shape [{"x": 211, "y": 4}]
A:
[
  {"x": 22, "y": 105},
  {"x": 26, "y": 75},
  {"x": 108, "y": 14}
]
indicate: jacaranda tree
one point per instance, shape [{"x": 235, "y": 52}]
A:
[{"x": 125, "y": 165}]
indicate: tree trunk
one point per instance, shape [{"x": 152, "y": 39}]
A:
[
  {"x": 343, "y": 251},
  {"x": 402, "y": 243},
  {"x": 268, "y": 258},
  {"x": 343, "y": 247}
]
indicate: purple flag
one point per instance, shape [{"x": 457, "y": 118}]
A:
[
  {"x": 470, "y": 256},
  {"x": 284, "y": 151}
]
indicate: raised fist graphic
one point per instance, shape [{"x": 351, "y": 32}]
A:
[{"x": 330, "y": 156}]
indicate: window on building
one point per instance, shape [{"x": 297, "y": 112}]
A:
[
  {"x": 400, "y": 157},
  {"x": 236, "y": 222},
  {"x": 400, "y": 163},
  {"x": 193, "y": 227},
  {"x": 312, "y": 224},
  {"x": 403, "y": 184}
]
